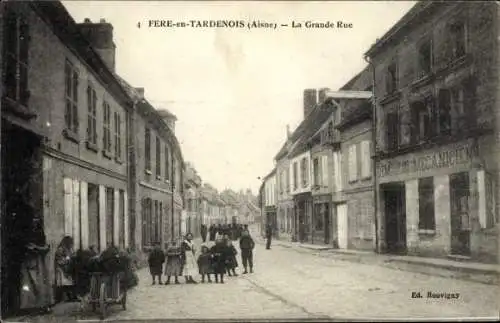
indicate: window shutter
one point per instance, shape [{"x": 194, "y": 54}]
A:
[
  {"x": 324, "y": 170},
  {"x": 68, "y": 206},
  {"x": 365, "y": 159},
  {"x": 352, "y": 163}
]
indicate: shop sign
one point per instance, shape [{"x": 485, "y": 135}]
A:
[{"x": 444, "y": 158}]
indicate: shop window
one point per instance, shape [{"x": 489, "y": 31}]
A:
[
  {"x": 392, "y": 130},
  {"x": 110, "y": 210},
  {"x": 122, "y": 219},
  {"x": 426, "y": 204}
]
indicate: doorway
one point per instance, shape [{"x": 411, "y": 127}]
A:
[
  {"x": 395, "y": 218},
  {"x": 22, "y": 208},
  {"x": 342, "y": 226},
  {"x": 460, "y": 222}
]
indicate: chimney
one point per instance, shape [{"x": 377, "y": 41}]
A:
[
  {"x": 140, "y": 92},
  {"x": 310, "y": 100},
  {"x": 100, "y": 36},
  {"x": 288, "y": 133},
  {"x": 168, "y": 118},
  {"x": 322, "y": 94}
]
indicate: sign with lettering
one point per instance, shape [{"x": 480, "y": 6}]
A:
[{"x": 443, "y": 158}]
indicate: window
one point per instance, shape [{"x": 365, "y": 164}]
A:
[
  {"x": 444, "y": 112},
  {"x": 16, "y": 45},
  {"x": 287, "y": 179},
  {"x": 304, "y": 168},
  {"x": 91, "y": 116},
  {"x": 174, "y": 174},
  {"x": 121, "y": 212},
  {"x": 147, "y": 149},
  {"x": 366, "y": 169},
  {"x": 158, "y": 158},
  {"x": 106, "y": 126},
  {"x": 295, "y": 176},
  {"x": 316, "y": 171},
  {"x": 118, "y": 136},
  {"x": 147, "y": 222},
  {"x": 392, "y": 77},
  {"x": 324, "y": 171},
  {"x": 353, "y": 164},
  {"x": 337, "y": 171},
  {"x": 425, "y": 56},
  {"x": 426, "y": 204},
  {"x": 110, "y": 210},
  {"x": 319, "y": 210},
  {"x": 71, "y": 112},
  {"x": 167, "y": 164},
  {"x": 422, "y": 120},
  {"x": 458, "y": 39},
  {"x": 392, "y": 130}
]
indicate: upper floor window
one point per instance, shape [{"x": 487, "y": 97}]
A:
[
  {"x": 392, "y": 128},
  {"x": 295, "y": 176},
  {"x": 174, "y": 175},
  {"x": 106, "y": 127},
  {"x": 457, "y": 108},
  {"x": 304, "y": 169},
  {"x": 16, "y": 46},
  {"x": 422, "y": 120},
  {"x": 167, "y": 164},
  {"x": 366, "y": 160},
  {"x": 353, "y": 163},
  {"x": 147, "y": 149},
  {"x": 91, "y": 116},
  {"x": 425, "y": 56},
  {"x": 316, "y": 171},
  {"x": 158, "y": 158},
  {"x": 287, "y": 180},
  {"x": 118, "y": 135},
  {"x": 458, "y": 36},
  {"x": 392, "y": 77},
  {"x": 71, "y": 112}
]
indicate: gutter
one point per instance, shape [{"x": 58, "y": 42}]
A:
[{"x": 374, "y": 161}]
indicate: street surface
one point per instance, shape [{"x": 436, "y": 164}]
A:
[{"x": 289, "y": 284}]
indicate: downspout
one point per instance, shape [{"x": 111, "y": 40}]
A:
[
  {"x": 172, "y": 188},
  {"x": 374, "y": 161}
]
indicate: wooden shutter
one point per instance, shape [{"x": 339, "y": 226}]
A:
[
  {"x": 76, "y": 213},
  {"x": 102, "y": 217},
  {"x": 353, "y": 166},
  {"x": 84, "y": 214},
  {"x": 324, "y": 171},
  {"x": 116, "y": 217},
  {"x": 68, "y": 206},
  {"x": 366, "y": 159},
  {"x": 125, "y": 219}
]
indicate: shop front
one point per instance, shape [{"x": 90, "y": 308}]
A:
[
  {"x": 322, "y": 219},
  {"x": 302, "y": 216},
  {"x": 440, "y": 202}
]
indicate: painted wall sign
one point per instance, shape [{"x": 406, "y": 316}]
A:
[{"x": 443, "y": 158}]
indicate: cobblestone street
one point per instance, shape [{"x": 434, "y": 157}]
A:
[{"x": 288, "y": 284}]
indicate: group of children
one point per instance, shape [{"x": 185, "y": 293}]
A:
[{"x": 218, "y": 261}]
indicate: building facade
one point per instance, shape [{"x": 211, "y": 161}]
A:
[
  {"x": 285, "y": 206},
  {"x": 194, "y": 216},
  {"x": 269, "y": 204},
  {"x": 436, "y": 89}
]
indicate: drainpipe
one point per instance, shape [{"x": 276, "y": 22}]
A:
[
  {"x": 374, "y": 161},
  {"x": 172, "y": 186}
]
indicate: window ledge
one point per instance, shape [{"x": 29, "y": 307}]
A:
[
  {"x": 92, "y": 146},
  {"x": 389, "y": 97},
  {"x": 424, "y": 79},
  {"x": 19, "y": 109},
  {"x": 71, "y": 135},
  {"x": 107, "y": 154},
  {"x": 456, "y": 63},
  {"x": 426, "y": 232},
  {"x": 147, "y": 171}
]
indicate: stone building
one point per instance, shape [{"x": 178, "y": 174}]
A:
[
  {"x": 192, "y": 184},
  {"x": 269, "y": 202},
  {"x": 436, "y": 86},
  {"x": 356, "y": 218}
]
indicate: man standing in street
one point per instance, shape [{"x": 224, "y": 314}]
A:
[
  {"x": 246, "y": 245},
  {"x": 204, "y": 233},
  {"x": 269, "y": 234}
]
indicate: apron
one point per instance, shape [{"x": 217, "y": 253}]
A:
[{"x": 190, "y": 266}]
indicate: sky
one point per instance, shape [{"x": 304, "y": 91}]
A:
[{"x": 235, "y": 90}]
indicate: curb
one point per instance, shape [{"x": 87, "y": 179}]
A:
[{"x": 458, "y": 269}]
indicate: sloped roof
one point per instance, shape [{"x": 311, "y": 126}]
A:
[{"x": 310, "y": 125}]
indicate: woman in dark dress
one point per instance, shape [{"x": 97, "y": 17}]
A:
[
  {"x": 155, "y": 260},
  {"x": 231, "y": 262}
]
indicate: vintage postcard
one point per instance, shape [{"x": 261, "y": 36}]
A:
[{"x": 249, "y": 161}]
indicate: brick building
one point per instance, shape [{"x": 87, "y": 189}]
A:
[
  {"x": 73, "y": 148},
  {"x": 436, "y": 88}
]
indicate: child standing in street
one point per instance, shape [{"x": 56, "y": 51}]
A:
[
  {"x": 219, "y": 251},
  {"x": 231, "y": 262},
  {"x": 155, "y": 260},
  {"x": 205, "y": 264},
  {"x": 174, "y": 262}
]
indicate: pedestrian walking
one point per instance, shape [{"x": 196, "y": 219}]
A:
[
  {"x": 64, "y": 279},
  {"x": 189, "y": 262},
  {"x": 203, "y": 232},
  {"x": 231, "y": 262},
  {"x": 247, "y": 245},
  {"x": 219, "y": 260},
  {"x": 269, "y": 235},
  {"x": 173, "y": 265},
  {"x": 205, "y": 265},
  {"x": 155, "y": 260}
]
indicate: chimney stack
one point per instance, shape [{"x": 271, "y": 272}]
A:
[
  {"x": 100, "y": 36},
  {"x": 322, "y": 94},
  {"x": 140, "y": 92},
  {"x": 310, "y": 100}
]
